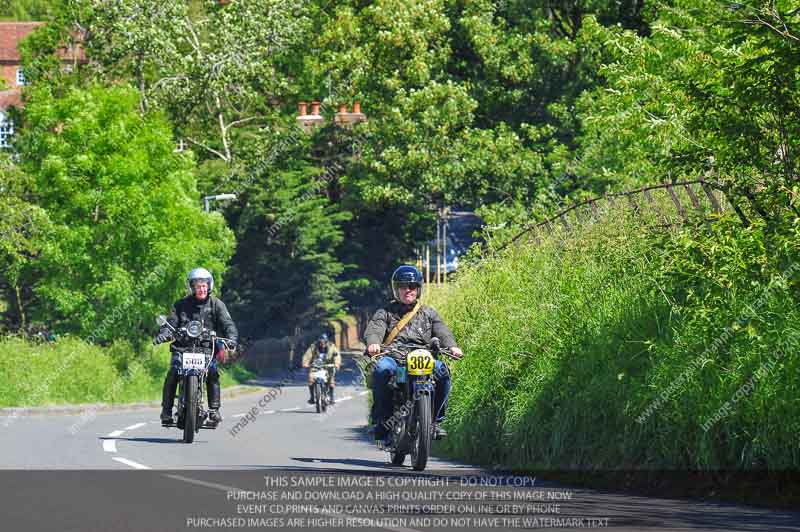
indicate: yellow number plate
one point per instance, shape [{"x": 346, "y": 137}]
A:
[{"x": 420, "y": 362}]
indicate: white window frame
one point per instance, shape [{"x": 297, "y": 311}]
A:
[
  {"x": 6, "y": 130},
  {"x": 21, "y": 77}
]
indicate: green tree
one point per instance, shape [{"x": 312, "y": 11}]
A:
[
  {"x": 24, "y": 231},
  {"x": 713, "y": 91},
  {"x": 285, "y": 271},
  {"x": 26, "y": 10},
  {"x": 127, "y": 217}
]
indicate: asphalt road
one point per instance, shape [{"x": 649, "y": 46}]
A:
[{"x": 289, "y": 467}]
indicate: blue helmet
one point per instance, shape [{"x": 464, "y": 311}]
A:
[{"x": 406, "y": 275}]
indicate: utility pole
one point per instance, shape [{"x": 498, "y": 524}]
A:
[
  {"x": 438, "y": 246},
  {"x": 444, "y": 244},
  {"x": 427, "y": 264}
]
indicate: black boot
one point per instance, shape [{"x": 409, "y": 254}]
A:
[
  {"x": 168, "y": 396},
  {"x": 333, "y": 401},
  {"x": 311, "y": 394}
]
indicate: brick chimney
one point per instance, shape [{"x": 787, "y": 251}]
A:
[
  {"x": 309, "y": 121},
  {"x": 345, "y": 119}
]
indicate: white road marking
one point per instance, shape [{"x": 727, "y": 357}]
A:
[
  {"x": 239, "y": 415},
  {"x": 110, "y": 446},
  {"x": 291, "y": 409},
  {"x": 214, "y": 485},
  {"x": 365, "y": 392},
  {"x": 130, "y": 463},
  {"x": 343, "y": 399},
  {"x": 268, "y": 412},
  {"x": 134, "y": 427}
]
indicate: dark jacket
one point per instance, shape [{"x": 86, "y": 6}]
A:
[
  {"x": 418, "y": 333},
  {"x": 212, "y": 313}
]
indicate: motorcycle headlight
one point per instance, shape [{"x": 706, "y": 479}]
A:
[{"x": 194, "y": 329}]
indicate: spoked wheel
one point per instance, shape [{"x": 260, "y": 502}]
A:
[
  {"x": 318, "y": 396},
  {"x": 421, "y": 446},
  {"x": 190, "y": 404}
]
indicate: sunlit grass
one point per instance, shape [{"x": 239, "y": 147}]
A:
[
  {"x": 72, "y": 371},
  {"x": 567, "y": 344}
]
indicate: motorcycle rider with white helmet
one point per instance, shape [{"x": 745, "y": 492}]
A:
[{"x": 199, "y": 305}]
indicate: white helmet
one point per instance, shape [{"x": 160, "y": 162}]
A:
[{"x": 199, "y": 274}]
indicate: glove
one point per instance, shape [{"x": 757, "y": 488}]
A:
[
  {"x": 161, "y": 338},
  {"x": 220, "y": 350}
]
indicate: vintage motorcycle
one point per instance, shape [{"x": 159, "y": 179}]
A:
[
  {"x": 196, "y": 357},
  {"x": 413, "y": 393},
  {"x": 320, "y": 372}
]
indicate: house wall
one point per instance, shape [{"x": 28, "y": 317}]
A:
[{"x": 9, "y": 74}]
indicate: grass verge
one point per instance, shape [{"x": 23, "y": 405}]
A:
[
  {"x": 617, "y": 348},
  {"x": 71, "y": 371}
]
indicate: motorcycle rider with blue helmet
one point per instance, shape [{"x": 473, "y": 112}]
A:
[{"x": 406, "y": 284}]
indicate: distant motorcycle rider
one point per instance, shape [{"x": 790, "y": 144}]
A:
[
  {"x": 201, "y": 306},
  {"x": 329, "y": 354},
  {"x": 425, "y": 324}
]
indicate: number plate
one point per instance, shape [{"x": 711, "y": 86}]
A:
[
  {"x": 420, "y": 362},
  {"x": 194, "y": 361},
  {"x": 321, "y": 374}
]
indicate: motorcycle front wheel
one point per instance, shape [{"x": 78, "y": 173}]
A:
[
  {"x": 190, "y": 403},
  {"x": 421, "y": 447},
  {"x": 318, "y": 396}
]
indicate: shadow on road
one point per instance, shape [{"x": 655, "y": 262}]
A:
[
  {"x": 349, "y": 462},
  {"x": 361, "y": 434},
  {"x": 152, "y": 440}
]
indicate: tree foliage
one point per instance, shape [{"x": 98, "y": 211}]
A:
[
  {"x": 513, "y": 108},
  {"x": 126, "y": 216}
]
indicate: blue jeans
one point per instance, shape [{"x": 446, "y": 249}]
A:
[{"x": 382, "y": 397}]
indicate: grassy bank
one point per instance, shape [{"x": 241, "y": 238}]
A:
[
  {"x": 620, "y": 348},
  {"x": 71, "y": 371}
]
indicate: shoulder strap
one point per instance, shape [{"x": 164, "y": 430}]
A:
[{"x": 402, "y": 324}]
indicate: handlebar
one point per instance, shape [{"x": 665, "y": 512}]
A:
[{"x": 388, "y": 352}]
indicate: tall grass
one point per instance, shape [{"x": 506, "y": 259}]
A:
[
  {"x": 569, "y": 342},
  {"x": 72, "y": 371}
]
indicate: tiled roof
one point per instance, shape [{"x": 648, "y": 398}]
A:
[{"x": 11, "y": 33}]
